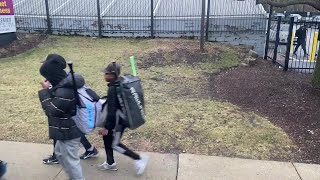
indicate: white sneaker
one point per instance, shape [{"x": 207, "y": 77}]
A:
[
  {"x": 106, "y": 166},
  {"x": 141, "y": 164}
]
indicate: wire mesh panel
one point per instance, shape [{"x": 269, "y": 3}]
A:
[
  {"x": 233, "y": 21},
  {"x": 272, "y": 39},
  {"x": 126, "y": 17},
  {"x": 74, "y": 17},
  {"x": 279, "y": 33},
  {"x": 237, "y": 15},
  {"x": 30, "y": 15},
  {"x": 175, "y": 18},
  {"x": 237, "y": 22}
]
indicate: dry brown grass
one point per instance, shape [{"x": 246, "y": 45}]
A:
[{"x": 182, "y": 115}]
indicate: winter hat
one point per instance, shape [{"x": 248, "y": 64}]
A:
[
  {"x": 112, "y": 68},
  {"x": 56, "y": 57},
  {"x": 53, "y": 69}
]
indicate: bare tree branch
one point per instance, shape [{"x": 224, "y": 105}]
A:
[{"x": 284, "y": 3}]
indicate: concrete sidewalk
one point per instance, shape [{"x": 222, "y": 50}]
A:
[{"x": 24, "y": 162}]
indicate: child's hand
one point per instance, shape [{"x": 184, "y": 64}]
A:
[
  {"x": 45, "y": 84},
  {"x": 103, "y": 132}
]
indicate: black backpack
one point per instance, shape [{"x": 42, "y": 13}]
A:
[{"x": 131, "y": 99}]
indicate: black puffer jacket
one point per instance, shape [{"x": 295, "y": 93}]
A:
[{"x": 59, "y": 105}]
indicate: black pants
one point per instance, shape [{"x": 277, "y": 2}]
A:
[
  {"x": 303, "y": 44},
  {"x": 112, "y": 142},
  {"x": 84, "y": 141}
]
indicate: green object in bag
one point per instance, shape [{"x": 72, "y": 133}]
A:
[{"x": 134, "y": 71}]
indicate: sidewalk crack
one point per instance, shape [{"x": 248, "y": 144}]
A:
[
  {"x": 177, "y": 173},
  {"x": 296, "y": 170},
  {"x": 58, "y": 174}
]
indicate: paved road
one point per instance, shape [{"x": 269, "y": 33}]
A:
[
  {"x": 137, "y": 8},
  {"x": 109, "y": 8}
]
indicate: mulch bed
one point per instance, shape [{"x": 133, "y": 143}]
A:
[
  {"x": 23, "y": 43},
  {"x": 286, "y": 98}
]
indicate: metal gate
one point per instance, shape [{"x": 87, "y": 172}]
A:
[{"x": 293, "y": 44}]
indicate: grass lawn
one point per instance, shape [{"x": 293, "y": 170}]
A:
[{"x": 182, "y": 114}]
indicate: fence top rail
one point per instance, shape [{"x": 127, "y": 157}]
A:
[
  {"x": 297, "y": 22},
  {"x": 307, "y": 22},
  {"x": 130, "y": 17}
]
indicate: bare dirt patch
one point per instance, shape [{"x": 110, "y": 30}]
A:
[{"x": 23, "y": 43}]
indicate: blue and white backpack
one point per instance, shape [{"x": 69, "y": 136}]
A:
[{"x": 90, "y": 112}]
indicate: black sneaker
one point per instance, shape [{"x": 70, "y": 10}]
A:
[
  {"x": 51, "y": 160},
  {"x": 89, "y": 154}
]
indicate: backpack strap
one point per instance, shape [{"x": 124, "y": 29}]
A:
[
  {"x": 119, "y": 95},
  {"x": 120, "y": 112},
  {"x": 76, "y": 96}
]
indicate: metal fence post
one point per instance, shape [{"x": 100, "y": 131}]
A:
[
  {"x": 275, "y": 52},
  {"x": 266, "y": 49},
  {"x": 319, "y": 32},
  {"x": 202, "y": 26},
  {"x": 208, "y": 20},
  {"x": 99, "y": 18},
  {"x": 152, "y": 20},
  {"x": 49, "y": 31},
  {"x": 286, "y": 65}
]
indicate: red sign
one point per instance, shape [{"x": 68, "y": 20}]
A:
[
  {"x": 6, "y": 7},
  {"x": 7, "y": 19}
]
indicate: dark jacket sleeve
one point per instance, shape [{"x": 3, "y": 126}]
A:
[
  {"x": 57, "y": 104},
  {"x": 112, "y": 108}
]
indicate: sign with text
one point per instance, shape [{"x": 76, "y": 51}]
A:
[{"x": 7, "y": 20}]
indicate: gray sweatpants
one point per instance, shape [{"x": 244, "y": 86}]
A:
[{"x": 67, "y": 153}]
